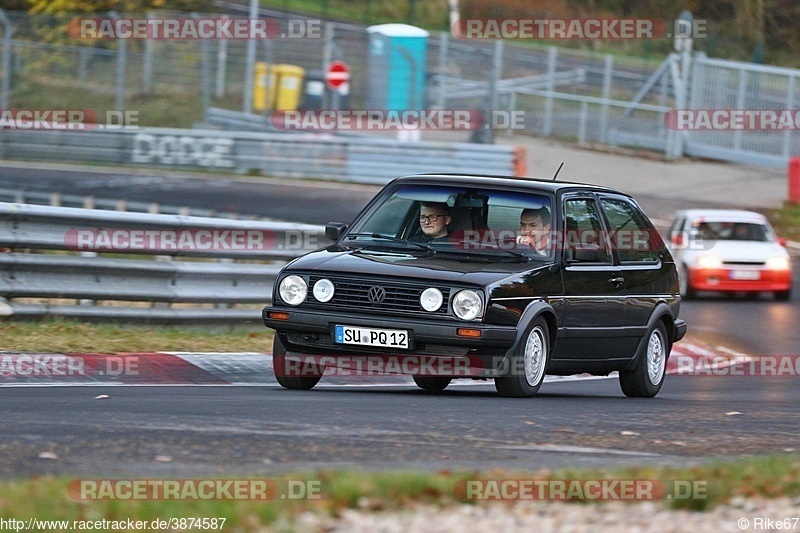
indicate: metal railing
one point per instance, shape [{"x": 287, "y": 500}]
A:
[
  {"x": 37, "y": 264},
  {"x": 291, "y": 155}
]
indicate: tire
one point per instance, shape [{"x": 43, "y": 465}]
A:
[
  {"x": 646, "y": 378},
  {"x": 434, "y": 383},
  {"x": 686, "y": 290},
  {"x": 528, "y": 365},
  {"x": 312, "y": 373},
  {"x": 783, "y": 296}
]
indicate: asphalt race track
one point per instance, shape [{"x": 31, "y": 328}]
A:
[
  {"x": 263, "y": 428},
  {"x": 229, "y": 429}
]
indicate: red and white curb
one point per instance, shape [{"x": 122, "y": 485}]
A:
[{"x": 256, "y": 369}]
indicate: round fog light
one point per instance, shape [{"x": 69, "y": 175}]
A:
[
  {"x": 323, "y": 290},
  {"x": 431, "y": 299}
]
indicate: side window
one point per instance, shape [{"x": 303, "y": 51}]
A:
[
  {"x": 584, "y": 232},
  {"x": 629, "y": 235}
]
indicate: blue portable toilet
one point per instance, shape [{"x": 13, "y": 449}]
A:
[{"x": 397, "y": 68}]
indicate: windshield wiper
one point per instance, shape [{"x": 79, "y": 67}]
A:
[
  {"x": 418, "y": 245},
  {"x": 486, "y": 251}
]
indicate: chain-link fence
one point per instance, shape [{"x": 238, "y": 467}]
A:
[{"x": 568, "y": 93}]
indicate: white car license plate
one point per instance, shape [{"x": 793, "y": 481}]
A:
[
  {"x": 387, "y": 338},
  {"x": 745, "y": 274}
]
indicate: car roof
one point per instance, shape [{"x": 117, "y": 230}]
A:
[
  {"x": 723, "y": 215},
  {"x": 486, "y": 180}
]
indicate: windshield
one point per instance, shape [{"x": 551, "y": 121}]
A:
[
  {"x": 730, "y": 231},
  {"x": 458, "y": 220}
]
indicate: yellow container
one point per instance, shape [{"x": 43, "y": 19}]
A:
[
  {"x": 277, "y": 87},
  {"x": 289, "y": 85}
]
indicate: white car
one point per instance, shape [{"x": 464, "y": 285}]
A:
[{"x": 729, "y": 251}]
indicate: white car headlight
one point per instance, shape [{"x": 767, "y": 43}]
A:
[
  {"x": 293, "y": 290},
  {"x": 323, "y": 290},
  {"x": 778, "y": 263},
  {"x": 431, "y": 299},
  {"x": 709, "y": 261},
  {"x": 467, "y": 304}
]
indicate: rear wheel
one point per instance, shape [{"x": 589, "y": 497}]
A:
[
  {"x": 646, "y": 378},
  {"x": 304, "y": 377},
  {"x": 528, "y": 365},
  {"x": 432, "y": 383}
]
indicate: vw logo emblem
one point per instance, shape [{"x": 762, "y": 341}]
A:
[{"x": 376, "y": 294}]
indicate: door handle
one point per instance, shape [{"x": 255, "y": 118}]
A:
[{"x": 617, "y": 281}]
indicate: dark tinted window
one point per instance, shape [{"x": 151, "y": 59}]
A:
[
  {"x": 583, "y": 229},
  {"x": 628, "y": 234}
]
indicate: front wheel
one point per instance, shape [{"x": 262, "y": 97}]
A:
[
  {"x": 432, "y": 383},
  {"x": 302, "y": 376},
  {"x": 529, "y": 365},
  {"x": 646, "y": 378}
]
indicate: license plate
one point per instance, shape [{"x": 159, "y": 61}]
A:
[
  {"x": 386, "y": 338},
  {"x": 745, "y": 274}
]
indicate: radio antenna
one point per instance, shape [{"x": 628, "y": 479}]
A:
[{"x": 557, "y": 171}]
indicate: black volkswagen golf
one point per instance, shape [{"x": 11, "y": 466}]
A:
[{"x": 480, "y": 277}]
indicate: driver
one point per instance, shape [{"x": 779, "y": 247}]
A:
[
  {"x": 433, "y": 220},
  {"x": 534, "y": 225}
]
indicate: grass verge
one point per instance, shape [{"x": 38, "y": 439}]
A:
[
  {"x": 47, "y": 497},
  {"x": 786, "y": 221},
  {"x": 54, "y": 335}
]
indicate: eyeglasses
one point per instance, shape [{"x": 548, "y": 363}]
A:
[{"x": 429, "y": 218}]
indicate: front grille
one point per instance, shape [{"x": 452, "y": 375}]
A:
[
  {"x": 744, "y": 263},
  {"x": 400, "y": 296}
]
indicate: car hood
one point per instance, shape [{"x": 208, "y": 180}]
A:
[
  {"x": 400, "y": 264},
  {"x": 740, "y": 250}
]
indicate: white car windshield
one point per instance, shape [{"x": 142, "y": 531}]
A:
[{"x": 731, "y": 231}]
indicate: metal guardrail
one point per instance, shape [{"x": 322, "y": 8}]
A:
[
  {"x": 154, "y": 285},
  {"x": 292, "y": 155}
]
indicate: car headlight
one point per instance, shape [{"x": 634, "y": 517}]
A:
[
  {"x": 467, "y": 304},
  {"x": 431, "y": 299},
  {"x": 293, "y": 290},
  {"x": 709, "y": 261},
  {"x": 323, "y": 290},
  {"x": 778, "y": 263}
]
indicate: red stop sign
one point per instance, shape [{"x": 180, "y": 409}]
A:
[{"x": 338, "y": 74}]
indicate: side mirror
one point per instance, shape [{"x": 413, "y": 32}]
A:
[
  {"x": 782, "y": 241},
  {"x": 334, "y": 230}
]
